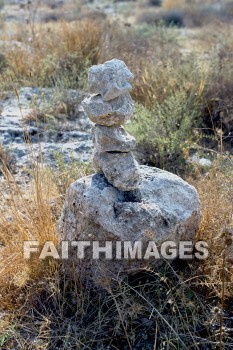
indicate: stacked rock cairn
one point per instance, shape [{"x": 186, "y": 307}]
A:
[
  {"x": 110, "y": 106},
  {"x": 119, "y": 203}
]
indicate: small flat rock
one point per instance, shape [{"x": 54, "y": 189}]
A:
[
  {"x": 110, "y": 79},
  {"x": 112, "y": 113},
  {"x": 110, "y": 139},
  {"x": 120, "y": 169}
]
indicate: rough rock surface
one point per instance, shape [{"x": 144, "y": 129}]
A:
[
  {"x": 109, "y": 109},
  {"x": 68, "y": 136},
  {"x": 11, "y": 45},
  {"x": 164, "y": 207},
  {"x": 110, "y": 139},
  {"x": 110, "y": 113},
  {"x": 121, "y": 169},
  {"x": 110, "y": 79}
]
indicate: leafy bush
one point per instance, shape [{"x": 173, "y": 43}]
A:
[{"x": 165, "y": 133}]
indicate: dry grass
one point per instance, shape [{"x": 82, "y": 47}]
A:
[
  {"x": 52, "y": 311},
  {"x": 52, "y": 48},
  {"x": 28, "y": 213},
  {"x": 216, "y": 194},
  {"x": 171, "y": 4},
  {"x": 6, "y": 159}
]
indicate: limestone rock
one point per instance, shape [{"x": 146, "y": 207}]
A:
[
  {"x": 120, "y": 169},
  {"x": 111, "y": 113},
  {"x": 110, "y": 79},
  {"x": 109, "y": 139},
  {"x": 201, "y": 161},
  {"x": 164, "y": 207},
  {"x": 73, "y": 140}
]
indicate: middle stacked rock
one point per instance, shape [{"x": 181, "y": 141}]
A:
[{"x": 110, "y": 107}]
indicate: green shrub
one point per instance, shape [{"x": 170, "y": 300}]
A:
[
  {"x": 165, "y": 133},
  {"x": 66, "y": 173},
  {"x": 66, "y": 72}
]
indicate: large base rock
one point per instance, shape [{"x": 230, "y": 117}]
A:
[{"x": 164, "y": 207}]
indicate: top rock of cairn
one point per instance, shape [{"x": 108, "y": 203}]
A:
[
  {"x": 110, "y": 79},
  {"x": 109, "y": 108}
]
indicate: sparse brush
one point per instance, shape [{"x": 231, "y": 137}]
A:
[
  {"x": 64, "y": 174},
  {"x": 216, "y": 194},
  {"x": 218, "y": 111},
  {"x": 152, "y": 308},
  {"x": 165, "y": 128},
  {"x": 30, "y": 212},
  {"x": 59, "y": 53},
  {"x": 27, "y": 214}
]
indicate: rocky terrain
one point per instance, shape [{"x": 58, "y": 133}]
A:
[{"x": 27, "y": 138}]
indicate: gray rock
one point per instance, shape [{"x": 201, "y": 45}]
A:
[
  {"x": 164, "y": 207},
  {"x": 71, "y": 139},
  {"x": 110, "y": 79},
  {"x": 111, "y": 113},
  {"x": 20, "y": 153},
  {"x": 109, "y": 139},
  {"x": 18, "y": 140},
  {"x": 201, "y": 161},
  {"x": 11, "y": 45},
  {"x": 120, "y": 169}
]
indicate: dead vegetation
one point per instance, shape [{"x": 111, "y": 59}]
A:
[
  {"x": 6, "y": 160},
  {"x": 165, "y": 307}
]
